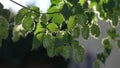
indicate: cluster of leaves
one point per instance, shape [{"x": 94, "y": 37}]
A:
[{"x": 58, "y": 29}]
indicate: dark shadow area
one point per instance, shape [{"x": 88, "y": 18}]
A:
[{"x": 19, "y": 55}]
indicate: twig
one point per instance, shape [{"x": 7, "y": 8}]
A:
[{"x": 31, "y": 9}]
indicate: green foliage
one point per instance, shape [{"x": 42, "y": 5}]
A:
[
  {"x": 58, "y": 29},
  {"x": 95, "y": 30},
  {"x": 96, "y": 64},
  {"x": 78, "y": 53},
  {"x": 4, "y": 27},
  {"x": 85, "y": 32}
]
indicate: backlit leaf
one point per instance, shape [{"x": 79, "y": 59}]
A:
[
  {"x": 55, "y": 1},
  {"x": 27, "y": 23},
  {"x": 71, "y": 23},
  {"x": 52, "y": 27},
  {"x": 20, "y": 15},
  {"x": 58, "y": 19}
]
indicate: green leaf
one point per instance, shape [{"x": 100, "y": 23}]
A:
[
  {"x": 77, "y": 9},
  {"x": 52, "y": 27},
  {"x": 67, "y": 37},
  {"x": 85, "y": 32},
  {"x": 53, "y": 9},
  {"x": 71, "y": 23},
  {"x": 44, "y": 19},
  {"x": 118, "y": 43},
  {"x": 36, "y": 43},
  {"x": 96, "y": 64},
  {"x": 107, "y": 47},
  {"x": 101, "y": 57},
  {"x": 108, "y": 6},
  {"x": 76, "y": 32},
  {"x": 59, "y": 40},
  {"x": 82, "y": 2},
  {"x": 55, "y": 1},
  {"x": 5, "y": 13},
  {"x": 48, "y": 41},
  {"x": 66, "y": 11},
  {"x": 112, "y": 33},
  {"x": 73, "y": 1},
  {"x": 39, "y": 29},
  {"x": 20, "y": 15},
  {"x": 35, "y": 8},
  {"x": 75, "y": 43},
  {"x": 27, "y": 23},
  {"x": 58, "y": 19},
  {"x": 81, "y": 19},
  {"x": 78, "y": 53},
  {"x": 1, "y": 6},
  {"x": 51, "y": 51},
  {"x": 114, "y": 19},
  {"x": 66, "y": 52},
  {"x": 95, "y": 30},
  {"x": 4, "y": 27}
]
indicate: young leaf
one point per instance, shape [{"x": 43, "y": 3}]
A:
[
  {"x": 82, "y": 2},
  {"x": 35, "y": 8},
  {"x": 96, "y": 64},
  {"x": 58, "y": 19},
  {"x": 36, "y": 43},
  {"x": 66, "y": 52},
  {"x": 78, "y": 53},
  {"x": 76, "y": 32},
  {"x": 52, "y": 27},
  {"x": 27, "y": 23},
  {"x": 39, "y": 29},
  {"x": 118, "y": 43},
  {"x": 95, "y": 30},
  {"x": 20, "y": 15},
  {"x": 71, "y": 23},
  {"x": 85, "y": 32}
]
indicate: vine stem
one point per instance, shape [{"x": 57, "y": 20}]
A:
[{"x": 31, "y": 9}]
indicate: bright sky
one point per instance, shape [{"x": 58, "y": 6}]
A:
[{"x": 43, "y": 4}]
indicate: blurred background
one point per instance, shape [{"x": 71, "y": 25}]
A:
[{"x": 19, "y": 54}]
